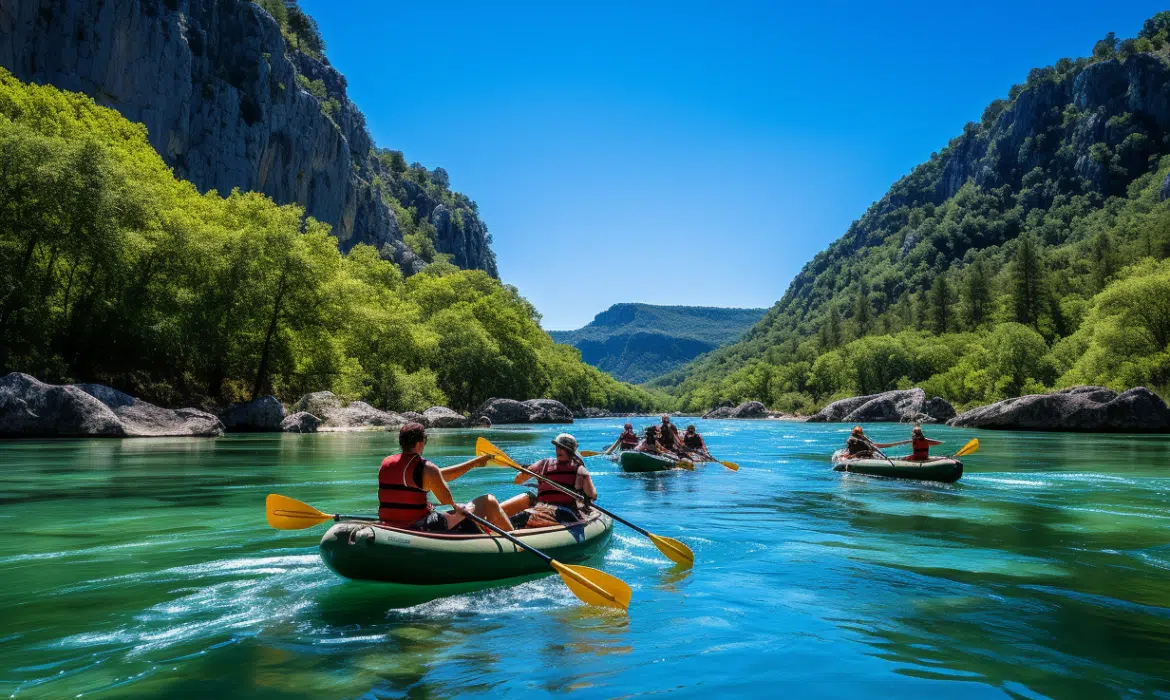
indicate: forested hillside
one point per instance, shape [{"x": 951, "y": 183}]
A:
[
  {"x": 637, "y": 342},
  {"x": 1029, "y": 253},
  {"x": 113, "y": 270}
]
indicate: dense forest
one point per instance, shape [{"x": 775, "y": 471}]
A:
[
  {"x": 638, "y": 342},
  {"x": 113, "y": 270},
  {"x": 1030, "y": 253}
]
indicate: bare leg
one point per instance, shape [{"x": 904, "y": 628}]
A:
[
  {"x": 488, "y": 508},
  {"x": 515, "y": 504}
]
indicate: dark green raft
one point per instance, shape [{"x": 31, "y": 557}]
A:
[
  {"x": 633, "y": 461},
  {"x": 945, "y": 469},
  {"x": 379, "y": 552}
]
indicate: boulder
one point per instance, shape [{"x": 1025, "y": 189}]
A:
[
  {"x": 443, "y": 417},
  {"x": 355, "y": 415},
  {"x": 261, "y": 415},
  {"x": 416, "y": 417},
  {"x": 142, "y": 419},
  {"x": 318, "y": 403},
  {"x": 301, "y": 422},
  {"x": 900, "y": 406},
  {"x": 531, "y": 411},
  {"x": 31, "y": 408},
  {"x": 747, "y": 410},
  {"x": 1080, "y": 409}
]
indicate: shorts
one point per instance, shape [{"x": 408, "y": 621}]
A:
[
  {"x": 545, "y": 513},
  {"x": 437, "y": 522}
]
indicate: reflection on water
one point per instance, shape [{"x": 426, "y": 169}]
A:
[{"x": 144, "y": 568}]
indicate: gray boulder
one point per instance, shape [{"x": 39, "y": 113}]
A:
[
  {"x": 261, "y": 415},
  {"x": 901, "y": 406},
  {"x": 356, "y": 415},
  {"x": 442, "y": 417},
  {"x": 142, "y": 419},
  {"x": 747, "y": 410},
  {"x": 416, "y": 417},
  {"x": 301, "y": 422},
  {"x": 318, "y": 403},
  {"x": 31, "y": 408},
  {"x": 531, "y": 411},
  {"x": 1080, "y": 409}
]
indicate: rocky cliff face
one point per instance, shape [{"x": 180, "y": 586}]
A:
[{"x": 211, "y": 81}]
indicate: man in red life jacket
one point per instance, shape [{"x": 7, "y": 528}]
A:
[
  {"x": 628, "y": 440},
  {"x": 405, "y": 479},
  {"x": 548, "y": 505},
  {"x": 668, "y": 434},
  {"x": 694, "y": 443},
  {"x": 921, "y": 445}
]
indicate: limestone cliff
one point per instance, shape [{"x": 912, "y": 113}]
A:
[{"x": 213, "y": 84}]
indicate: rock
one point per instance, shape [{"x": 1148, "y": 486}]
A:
[
  {"x": 600, "y": 413},
  {"x": 901, "y": 406},
  {"x": 301, "y": 422},
  {"x": 443, "y": 417},
  {"x": 745, "y": 411},
  {"x": 483, "y": 422},
  {"x": 416, "y": 417},
  {"x": 531, "y": 411},
  {"x": 216, "y": 87},
  {"x": 142, "y": 419},
  {"x": 356, "y": 415},
  {"x": 31, "y": 408},
  {"x": 318, "y": 403},
  {"x": 261, "y": 415},
  {"x": 1080, "y": 409}
]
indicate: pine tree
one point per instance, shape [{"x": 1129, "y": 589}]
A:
[
  {"x": 1104, "y": 259},
  {"x": 863, "y": 310},
  {"x": 831, "y": 329},
  {"x": 1027, "y": 281},
  {"x": 977, "y": 293},
  {"x": 940, "y": 304}
]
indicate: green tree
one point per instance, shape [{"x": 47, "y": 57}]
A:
[
  {"x": 977, "y": 294},
  {"x": 940, "y": 303},
  {"x": 863, "y": 309},
  {"x": 1027, "y": 280}
]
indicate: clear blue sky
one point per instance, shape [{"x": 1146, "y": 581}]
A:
[{"x": 723, "y": 144}]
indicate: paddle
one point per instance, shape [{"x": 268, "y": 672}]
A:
[
  {"x": 591, "y": 453},
  {"x": 971, "y": 446},
  {"x": 730, "y": 465},
  {"x": 589, "y": 585},
  {"x": 675, "y": 550}
]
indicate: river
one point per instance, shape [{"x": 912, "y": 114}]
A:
[{"x": 145, "y": 568}]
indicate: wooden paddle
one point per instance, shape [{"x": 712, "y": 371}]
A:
[
  {"x": 675, "y": 550},
  {"x": 589, "y": 585}
]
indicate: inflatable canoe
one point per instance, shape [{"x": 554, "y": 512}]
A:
[
  {"x": 935, "y": 469},
  {"x": 379, "y": 552},
  {"x": 633, "y": 461}
]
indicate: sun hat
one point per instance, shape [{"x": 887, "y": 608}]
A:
[{"x": 567, "y": 442}]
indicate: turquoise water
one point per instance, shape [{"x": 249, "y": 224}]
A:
[{"x": 144, "y": 568}]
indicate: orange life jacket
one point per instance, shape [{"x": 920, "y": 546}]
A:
[
  {"x": 400, "y": 503},
  {"x": 921, "y": 448},
  {"x": 628, "y": 439},
  {"x": 564, "y": 475}
]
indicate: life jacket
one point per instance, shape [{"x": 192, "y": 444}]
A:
[
  {"x": 399, "y": 503},
  {"x": 858, "y": 447},
  {"x": 921, "y": 448},
  {"x": 693, "y": 441},
  {"x": 564, "y": 475},
  {"x": 628, "y": 439}
]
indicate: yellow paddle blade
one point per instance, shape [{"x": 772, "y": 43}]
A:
[
  {"x": 484, "y": 447},
  {"x": 968, "y": 448},
  {"x": 685, "y": 464},
  {"x": 730, "y": 465},
  {"x": 590, "y": 453},
  {"x": 594, "y": 587},
  {"x": 286, "y": 513},
  {"x": 676, "y": 551}
]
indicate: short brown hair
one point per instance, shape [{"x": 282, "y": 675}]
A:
[{"x": 411, "y": 434}]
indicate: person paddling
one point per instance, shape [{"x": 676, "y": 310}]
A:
[
  {"x": 695, "y": 443},
  {"x": 668, "y": 434},
  {"x": 859, "y": 446},
  {"x": 628, "y": 440},
  {"x": 921, "y": 445},
  {"x": 547, "y": 505},
  {"x": 405, "y": 479}
]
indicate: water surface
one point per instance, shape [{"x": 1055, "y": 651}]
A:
[{"x": 144, "y": 568}]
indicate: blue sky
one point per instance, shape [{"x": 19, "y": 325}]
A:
[{"x": 684, "y": 153}]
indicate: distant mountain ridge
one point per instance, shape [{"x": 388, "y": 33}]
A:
[{"x": 638, "y": 342}]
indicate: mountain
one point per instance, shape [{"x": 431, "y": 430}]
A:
[
  {"x": 236, "y": 94},
  {"x": 637, "y": 342},
  {"x": 1030, "y": 252}
]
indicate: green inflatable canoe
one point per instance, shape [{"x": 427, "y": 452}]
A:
[
  {"x": 935, "y": 469},
  {"x": 633, "y": 461},
  {"x": 379, "y": 552}
]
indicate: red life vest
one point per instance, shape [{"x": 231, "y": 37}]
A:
[
  {"x": 564, "y": 475},
  {"x": 400, "y": 503},
  {"x": 693, "y": 441},
  {"x": 628, "y": 439},
  {"x": 921, "y": 448}
]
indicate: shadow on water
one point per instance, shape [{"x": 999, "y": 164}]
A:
[{"x": 361, "y": 603}]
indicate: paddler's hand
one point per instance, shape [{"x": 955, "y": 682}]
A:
[
  {"x": 461, "y": 509},
  {"x": 481, "y": 461}
]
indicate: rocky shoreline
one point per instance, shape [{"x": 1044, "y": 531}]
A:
[{"x": 35, "y": 409}]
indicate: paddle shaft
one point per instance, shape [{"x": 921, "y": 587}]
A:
[
  {"x": 578, "y": 496},
  {"x": 514, "y": 540}
]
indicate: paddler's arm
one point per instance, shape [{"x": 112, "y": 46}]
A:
[
  {"x": 585, "y": 484},
  {"x": 882, "y": 446},
  {"x": 434, "y": 482},
  {"x": 521, "y": 477},
  {"x": 453, "y": 473}
]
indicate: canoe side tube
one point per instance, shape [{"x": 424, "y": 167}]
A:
[
  {"x": 379, "y": 552},
  {"x": 633, "y": 461},
  {"x": 943, "y": 469}
]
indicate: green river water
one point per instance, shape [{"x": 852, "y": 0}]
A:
[{"x": 144, "y": 568}]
